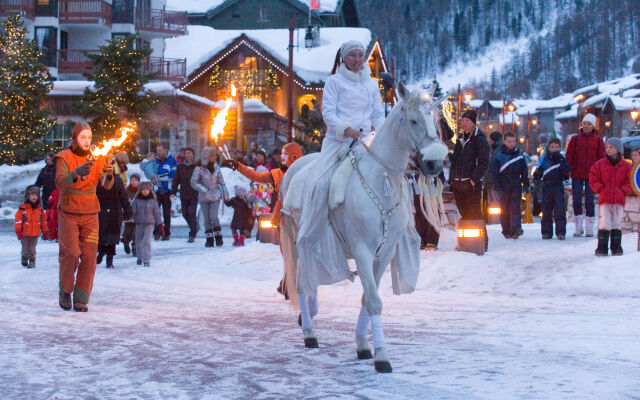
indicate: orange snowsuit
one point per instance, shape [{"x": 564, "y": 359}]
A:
[
  {"x": 78, "y": 209},
  {"x": 30, "y": 221},
  {"x": 273, "y": 177}
]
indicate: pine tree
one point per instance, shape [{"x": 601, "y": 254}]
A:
[
  {"x": 24, "y": 84},
  {"x": 118, "y": 94}
]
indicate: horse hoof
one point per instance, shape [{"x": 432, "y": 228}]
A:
[
  {"x": 364, "y": 354},
  {"x": 311, "y": 343},
  {"x": 383, "y": 366},
  {"x": 300, "y": 319}
]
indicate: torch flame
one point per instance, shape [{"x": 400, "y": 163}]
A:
[
  {"x": 108, "y": 145},
  {"x": 220, "y": 120}
]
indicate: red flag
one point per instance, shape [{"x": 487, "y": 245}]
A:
[{"x": 315, "y": 5}]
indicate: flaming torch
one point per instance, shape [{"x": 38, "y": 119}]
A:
[
  {"x": 108, "y": 145},
  {"x": 219, "y": 122}
]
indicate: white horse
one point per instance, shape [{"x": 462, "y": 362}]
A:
[{"x": 371, "y": 218}]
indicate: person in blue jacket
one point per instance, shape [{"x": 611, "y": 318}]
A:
[
  {"x": 553, "y": 171},
  {"x": 167, "y": 166},
  {"x": 511, "y": 178}
]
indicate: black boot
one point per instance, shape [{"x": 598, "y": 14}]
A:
[
  {"x": 127, "y": 247},
  {"x": 209, "y": 235},
  {"x": 603, "y": 243},
  {"x": 218, "y": 234},
  {"x": 100, "y": 257},
  {"x": 109, "y": 260},
  {"x": 616, "y": 242},
  {"x": 25, "y": 261},
  {"x": 133, "y": 249}
]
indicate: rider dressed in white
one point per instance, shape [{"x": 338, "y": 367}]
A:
[{"x": 351, "y": 108}]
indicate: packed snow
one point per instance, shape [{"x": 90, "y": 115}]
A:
[{"x": 531, "y": 319}]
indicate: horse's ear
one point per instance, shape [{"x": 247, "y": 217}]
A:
[{"x": 403, "y": 92}]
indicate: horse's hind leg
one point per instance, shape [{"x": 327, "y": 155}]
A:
[{"x": 310, "y": 339}]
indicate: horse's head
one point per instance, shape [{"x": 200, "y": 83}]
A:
[{"x": 421, "y": 129}]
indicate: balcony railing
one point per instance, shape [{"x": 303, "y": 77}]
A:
[
  {"x": 85, "y": 12},
  {"x": 25, "y": 7},
  {"x": 75, "y": 61},
  {"x": 166, "y": 69},
  {"x": 161, "y": 21}
]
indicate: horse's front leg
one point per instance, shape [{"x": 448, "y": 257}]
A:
[
  {"x": 365, "y": 264},
  {"x": 308, "y": 309}
]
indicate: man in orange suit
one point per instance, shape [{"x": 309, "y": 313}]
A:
[{"x": 76, "y": 180}]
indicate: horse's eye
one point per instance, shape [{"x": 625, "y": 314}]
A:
[{"x": 413, "y": 121}]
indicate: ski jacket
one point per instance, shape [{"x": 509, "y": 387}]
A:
[
  {"x": 166, "y": 172},
  {"x": 611, "y": 182},
  {"x": 509, "y": 168},
  {"x": 146, "y": 211},
  {"x": 553, "y": 171},
  {"x": 30, "y": 221},
  {"x": 583, "y": 151},
  {"x": 79, "y": 196},
  {"x": 351, "y": 100},
  {"x": 209, "y": 184},
  {"x": 242, "y": 213},
  {"x": 470, "y": 158},
  {"x": 182, "y": 181}
]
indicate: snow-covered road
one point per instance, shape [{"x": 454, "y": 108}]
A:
[{"x": 532, "y": 319}]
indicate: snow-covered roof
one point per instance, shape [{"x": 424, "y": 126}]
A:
[
  {"x": 496, "y": 103},
  {"x": 312, "y": 65},
  {"x": 536, "y": 106},
  {"x": 622, "y": 103},
  {"x": 202, "y": 6},
  {"x": 250, "y": 106},
  {"x": 614, "y": 86},
  {"x": 595, "y": 100},
  {"x": 631, "y": 93},
  {"x": 569, "y": 114},
  {"x": 476, "y": 103},
  {"x": 76, "y": 88}
]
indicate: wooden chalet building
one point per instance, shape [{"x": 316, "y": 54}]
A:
[{"x": 255, "y": 61}]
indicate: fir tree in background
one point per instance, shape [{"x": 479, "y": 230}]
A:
[
  {"x": 24, "y": 84},
  {"x": 118, "y": 94},
  {"x": 313, "y": 128}
]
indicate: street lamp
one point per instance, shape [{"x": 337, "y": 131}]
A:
[
  {"x": 467, "y": 97},
  {"x": 308, "y": 37}
]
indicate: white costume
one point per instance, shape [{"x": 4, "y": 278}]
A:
[{"x": 349, "y": 100}]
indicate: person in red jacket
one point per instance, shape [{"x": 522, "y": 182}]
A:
[
  {"x": 30, "y": 222},
  {"x": 52, "y": 215},
  {"x": 609, "y": 178},
  {"x": 584, "y": 150}
]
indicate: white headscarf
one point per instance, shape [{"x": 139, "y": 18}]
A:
[{"x": 349, "y": 46}]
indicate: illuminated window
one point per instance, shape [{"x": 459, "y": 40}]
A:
[
  {"x": 306, "y": 99},
  {"x": 249, "y": 63},
  {"x": 43, "y": 2}
]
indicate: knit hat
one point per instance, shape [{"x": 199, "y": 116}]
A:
[
  {"x": 471, "y": 114},
  {"x": 590, "y": 118},
  {"x": 277, "y": 151},
  {"x": 80, "y": 126},
  {"x": 615, "y": 142},
  {"x": 294, "y": 150},
  {"x": 349, "y": 46}
]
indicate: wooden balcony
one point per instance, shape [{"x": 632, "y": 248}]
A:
[
  {"x": 170, "y": 23},
  {"x": 166, "y": 69},
  {"x": 25, "y": 7},
  {"x": 94, "y": 12},
  {"x": 75, "y": 61}
]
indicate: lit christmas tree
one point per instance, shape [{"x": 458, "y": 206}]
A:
[
  {"x": 24, "y": 84},
  {"x": 118, "y": 94}
]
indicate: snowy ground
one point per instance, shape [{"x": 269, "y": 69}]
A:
[{"x": 529, "y": 320}]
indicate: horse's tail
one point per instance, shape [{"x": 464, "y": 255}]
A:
[{"x": 288, "y": 234}]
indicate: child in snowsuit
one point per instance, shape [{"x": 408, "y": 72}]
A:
[
  {"x": 609, "y": 177},
  {"x": 52, "y": 215},
  {"x": 146, "y": 216},
  {"x": 553, "y": 171},
  {"x": 114, "y": 208},
  {"x": 511, "y": 178},
  {"x": 30, "y": 222},
  {"x": 241, "y": 214},
  {"x": 129, "y": 233}
]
